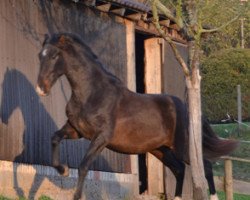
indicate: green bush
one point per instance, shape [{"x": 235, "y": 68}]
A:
[{"x": 221, "y": 73}]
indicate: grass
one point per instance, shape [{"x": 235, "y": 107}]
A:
[
  {"x": 222, "y": 196},
  {"x": 241, "y": 170},
  {"x": 43, "y": 197}
]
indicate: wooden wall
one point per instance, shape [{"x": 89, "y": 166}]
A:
[{"x": 27, "y": 121}]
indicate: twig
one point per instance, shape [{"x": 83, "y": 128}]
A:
[
  {"x": 168, "y": 39},
  {"x": 167, "y": 12},
  {"x": 221, "y": 27}
]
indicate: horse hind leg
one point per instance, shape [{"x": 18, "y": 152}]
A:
[
  {"x": 210, "y": 179},
  {"x": 66, "y": 132},
  {"x": 168, "y": 158}
]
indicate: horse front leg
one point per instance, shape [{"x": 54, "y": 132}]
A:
[
  {"x": 96, "y": 146},
  {"x": 67, "y": 132}
]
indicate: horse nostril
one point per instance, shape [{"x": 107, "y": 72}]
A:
[{"x": 40, "y": 91}]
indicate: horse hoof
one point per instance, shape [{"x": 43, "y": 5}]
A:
[{"x": 63, "y": 170}]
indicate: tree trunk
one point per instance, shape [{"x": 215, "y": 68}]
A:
[{"x": 195, "y": 136}]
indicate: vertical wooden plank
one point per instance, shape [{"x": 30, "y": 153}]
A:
[
  {"x": 130, "y": 43},
  {"x": 239, "y": 106},
  {"x": 153, "y": 85},
  {"x": 131, "y": 84},
  {"x": 229, "y": 179},
  {"x": 152, "y": 65},
  {"x": 170, "y": 183},
  {"x": 187, "y": 193}
]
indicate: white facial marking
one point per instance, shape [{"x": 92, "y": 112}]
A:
[
  {"x": 40, "y": 91},
  {"x": 177, "y": 198},
  {"x": 214, "y": 197},
  {"x": 44, "y": 52}
]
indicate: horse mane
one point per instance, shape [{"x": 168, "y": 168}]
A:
[
  {"x": 63, "y": 39},
  {"x": 68, "y": 41}
]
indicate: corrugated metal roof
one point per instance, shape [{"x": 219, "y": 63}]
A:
[{"x": 141, "y": 6}]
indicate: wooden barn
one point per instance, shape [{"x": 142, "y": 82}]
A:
[{"x": 122, "y": 35}]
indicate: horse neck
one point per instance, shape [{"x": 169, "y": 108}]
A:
[{"x": 83, "y": 75}]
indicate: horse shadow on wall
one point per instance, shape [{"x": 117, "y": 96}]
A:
[{"x": 19, "y": 93}]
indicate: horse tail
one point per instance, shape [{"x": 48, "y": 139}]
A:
[{"x": 213, "y": 146}]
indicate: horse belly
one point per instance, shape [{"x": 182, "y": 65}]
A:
[{"x": 139, "y": 137}]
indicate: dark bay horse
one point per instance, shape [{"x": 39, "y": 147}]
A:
[{"x": 103, "y": 110}]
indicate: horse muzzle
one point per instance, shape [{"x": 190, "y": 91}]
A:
[{"x": 40, "y": 92}]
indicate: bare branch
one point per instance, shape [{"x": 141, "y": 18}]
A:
[
  {"x": 167, "y": 12},
  {"x": 169, "y": 40},
  {"x": 220, "y": 27}
]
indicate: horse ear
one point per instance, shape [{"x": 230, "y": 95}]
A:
[{"x": 46, "y": 37}]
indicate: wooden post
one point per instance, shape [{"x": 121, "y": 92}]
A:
[
  {"x": 239, "y": 108},
  {"x": 130, "y": 43},
  {"x": 228, "y": 179},
  {"x": 131, "y": 84},
  {"x": 153, "y": 85}
]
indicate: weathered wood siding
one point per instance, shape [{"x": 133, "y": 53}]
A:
[
  {"x": 28, "y": 121},
  {"x": 173, "y": 79}
]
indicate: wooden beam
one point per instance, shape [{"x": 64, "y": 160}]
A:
[
  {"x": 146, "y": 30},
  {"x": 165, "y": 22},
  {"x": 104, "y": 7},
  {"x": 120, "y": 19},
  {"x": 144, "y": 16},
  {"x": 117, "y": 10},
  {"x": 142, "y": 24},
  {"x": 174, "y": 26},
  {"x": 152, "y": 27},
  {"x": 135, "y": 16}
]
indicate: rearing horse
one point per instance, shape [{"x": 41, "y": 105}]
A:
[{"x": 103, "y": 110}]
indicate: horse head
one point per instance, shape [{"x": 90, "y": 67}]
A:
[{"x": 52, "y": 63}]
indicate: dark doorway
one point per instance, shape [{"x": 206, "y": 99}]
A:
[
  {"x": 139, "y": 59},
  {"x": 140, "y": 88}
]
